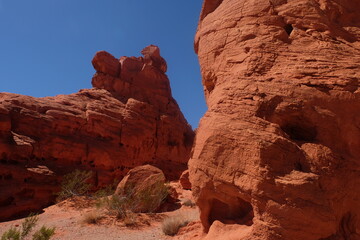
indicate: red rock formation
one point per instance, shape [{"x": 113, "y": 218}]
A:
[
  {"x": 278, "y": 152},
  {"x": 184, "y": 180},
  {"x": 106, "y": 63},
  {"x": 123, "y": 122}
]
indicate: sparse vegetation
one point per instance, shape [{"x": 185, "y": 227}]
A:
[
  {"x": 171, "y": 225},
  {"x": 11, "y": 234},
  {"x": 27, "y": 226},
  {"x": 130, "y": 219},
  {"x": 116, "y": 205},
  {"x": 133, "y": 199},
  {"x": 148, "y": 200},
  {"x": 44, "y": 233},
  {"x": 124, "y": 205},
  {"x": 74, "y": 184},
  {"x": 92, "y": 217},
  {"x": 106, "y": 191}
]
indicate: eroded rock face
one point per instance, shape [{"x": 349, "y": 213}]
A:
[
  {"x": 128, "y": 119},
  {"x": 278, "y": 152}
]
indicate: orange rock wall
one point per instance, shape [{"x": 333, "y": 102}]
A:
[
  {"x": 277, "y": 155},
  {"x": 128, "y": 119}
]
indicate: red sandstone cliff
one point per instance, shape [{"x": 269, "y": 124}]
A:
[
  {"x": 128, "y": 119},
  {"x": 277, "y": 155}
]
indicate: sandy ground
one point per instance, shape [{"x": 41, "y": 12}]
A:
[{"x": 67, "y": 217}]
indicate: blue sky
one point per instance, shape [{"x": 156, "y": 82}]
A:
[{"x": 46, "y": 46}]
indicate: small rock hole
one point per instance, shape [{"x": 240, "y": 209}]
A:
[
  {"x": 299, "y": 132},
  {"x": 288, "y": 28},
  {"x": 299, "y": 167}
]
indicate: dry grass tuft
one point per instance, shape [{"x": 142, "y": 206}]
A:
[
  {"x": 92, "y": 217},
  {"x": 171, "y": 225}
]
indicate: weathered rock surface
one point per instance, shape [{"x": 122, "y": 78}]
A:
[
  {"x": 140, "y": 178},
  {"x": 142, "y": 184},
  {"x": 104, "y": 62},
  {"x": 184, "y": 180},
  {"x": 278, "y": 152},
  {"x": 128, "y": 119}
]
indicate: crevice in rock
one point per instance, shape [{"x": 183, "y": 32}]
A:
[
  {"x": 188, "y": 139},
  {"x": 236, "y": 212},
  {"x": 288, "y": 28}
]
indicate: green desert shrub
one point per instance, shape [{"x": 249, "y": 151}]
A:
[
  {"x": 145, "y": 200},
  {"x": 116, "y": 205},
  {"x": 27, "y": 226},
  {"x": 148, "y": 200},
  {"x": 105, "y": 191},
  {"x": 11, "y": 234},
  {"x": 75, "y": 184},
  {"x": 44, "y": 233}
]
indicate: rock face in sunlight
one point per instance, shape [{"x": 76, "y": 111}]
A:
[
  {"x": 128, "y": 119},
  {"x": 277, "y": 155}
]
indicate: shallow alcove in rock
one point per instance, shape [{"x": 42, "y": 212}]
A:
[{"x": 236, "y": 212}]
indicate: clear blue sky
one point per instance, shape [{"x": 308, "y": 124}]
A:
[{"x": 46, "y": 46}]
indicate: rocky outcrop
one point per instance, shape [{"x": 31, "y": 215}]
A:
[
  {"x": 128, "y": 119},
  {"x": 277, "y": 155}
]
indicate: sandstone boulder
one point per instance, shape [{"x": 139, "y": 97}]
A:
[
  {"x": 123, "y": 122},
  {"x": 277, "y": 153},
  {"x": 184, "y": 180},
  {"x": 145, "y": 186},
  {"x": 104, "y": 62},
  {"x": 140, "y": 178}
]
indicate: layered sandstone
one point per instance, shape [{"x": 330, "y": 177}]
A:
[
  {"x": 277, "y": 155},
  {"x": 128, "y": 119}
]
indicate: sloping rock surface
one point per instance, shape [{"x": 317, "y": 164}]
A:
[
  {"x": 128, "y": 119},
  {"x": 277, "y": 155}
]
